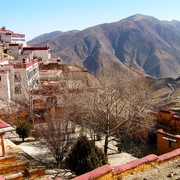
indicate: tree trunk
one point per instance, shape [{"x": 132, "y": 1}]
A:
[
  {"x": 107, "y": 133},
  {"x": 106, "y": 144},
  {"x": 121, "y": 145}
]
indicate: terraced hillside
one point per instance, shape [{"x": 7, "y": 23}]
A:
[{"x": 166, "y": 93}]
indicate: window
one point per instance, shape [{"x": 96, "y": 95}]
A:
[
  {"x": 52, "y": 99},
  {"x": 171, "y": 144},
  {"x": 17, "y": 77},
  {"x": 17, "y": 89},
  {"x": 30, "y": 75},
  {"x": 35, "y": 71}
]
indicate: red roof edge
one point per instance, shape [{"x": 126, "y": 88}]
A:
[
  {"x": 169, "y": 155},
  {"x": 94, "y": 173},
  {"x": 160, "y": 131},
  {"x": 3, "y": 124},
  {"x": 135, "y": 163}
]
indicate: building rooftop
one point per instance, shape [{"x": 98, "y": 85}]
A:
[
  {"x": 4, "y": 31},
  {"x": 4, "y": 72},
  {"x": 4, "y": 60},
  {"x": 171, "y": 134},
  {"x": 50, "y": 72},
  {"x": 13, "y": 44},
  {"x": 5, "y": 127},
  {"x": 15, "y": 34},
  {"x": 36, "y": 48},
  {"x": 3, "y": 124},
  {"x": 50, "y": 83},
  {"x": 19, "y": 64}
]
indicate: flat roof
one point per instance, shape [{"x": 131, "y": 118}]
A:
[
  {"x": 36, "y": 48},
  {"x": 50, "y": 72}
]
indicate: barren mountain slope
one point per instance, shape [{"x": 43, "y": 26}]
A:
[{"x": 141, "y": 42}]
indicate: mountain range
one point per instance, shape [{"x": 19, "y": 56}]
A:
[{"x": 139, "y": 42}]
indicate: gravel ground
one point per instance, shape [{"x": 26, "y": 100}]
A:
[{"x": 166, "y": 171}]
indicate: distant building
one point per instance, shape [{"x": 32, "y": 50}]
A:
[
  {"x": 14, "y": 50},
  {"x": 167, "y": 142},
  {"x": 18, "y": 48},
  {"x": 19, "y": 74},
  {"x": 168, "y": 133},
  {"x": 8, "y": 36},
  {"x": 168, "y": 120},
  {"x": 40, "y": 52}
]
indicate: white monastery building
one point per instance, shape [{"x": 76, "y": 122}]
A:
[
  {"x": 42, "y": 53},
  {"x": 19, "y": 74},
  {"x": 17, "y": 78},
  {"x": 8, "y": 36}
]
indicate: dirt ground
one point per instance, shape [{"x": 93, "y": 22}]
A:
[
  {"x": 167, "y": 171},
  {"x": 39, "y": 154},
  {"x": 43, "y": 155}
]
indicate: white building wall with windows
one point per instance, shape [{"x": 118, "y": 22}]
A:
[
  {"x": 18, "y": 38},
  {"x": 39, "y": 52},
  {"x": 14, "y": 50},
  {"x": 23, "y": 81},
  {"x": 22, "y": 77},
  {"x": 5, "y": 93},
  {"x": 44, "y": 54},
  {"x": 13, "y": 38},
  {"x": 6, "y": 38}
]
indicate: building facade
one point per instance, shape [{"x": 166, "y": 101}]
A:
[
  {"x": 19, "y": 73},
  {"x": 42, "y": 53},
  {"x": 168, "y": 120},
  {"x": 167, "y": 142},
  {"x": 168, "y": 133},
  {"x": 8, "y": 36},
  {"x": 17, "y": 79}
]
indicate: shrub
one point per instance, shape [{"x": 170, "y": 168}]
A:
[
  {"x": 85, "y": 156},
  {"x": 23, "y": 129}
]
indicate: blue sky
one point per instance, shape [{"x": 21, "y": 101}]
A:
[{"x": 35, "y": 17}]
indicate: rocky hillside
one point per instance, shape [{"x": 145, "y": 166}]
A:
[
  {"x": 46, "y": 36},
  {"x": 140, "y": 42}
]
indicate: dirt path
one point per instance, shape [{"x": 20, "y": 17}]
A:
[{"x": 42, "y": 154}]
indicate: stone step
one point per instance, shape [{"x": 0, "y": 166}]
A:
[
  {"x": 7, "y": 159},
  {"x": 14, "y": 167},
  {"x": 14, "y": 176},
  {"x": 36, "y": 172}
]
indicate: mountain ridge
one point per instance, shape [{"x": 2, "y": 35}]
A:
[{"x": 141, "y": 42}]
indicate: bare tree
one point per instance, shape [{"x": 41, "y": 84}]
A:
[
  {"x": 58, "y": 127},
  {"x": 116, "y": 107},
  {"x": 57, "y": 134}
]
